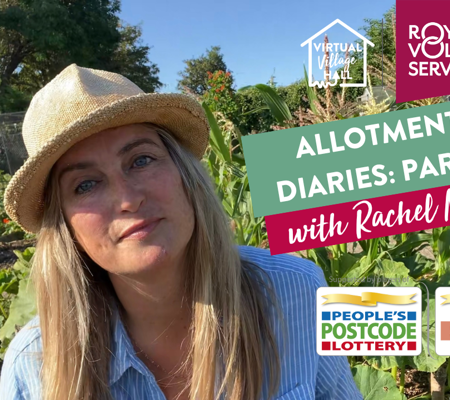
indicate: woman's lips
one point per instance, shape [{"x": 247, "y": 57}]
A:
[{"x": 142, "y": 231}]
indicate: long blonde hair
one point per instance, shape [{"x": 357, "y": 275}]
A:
[{"x": 231, "y": 301}]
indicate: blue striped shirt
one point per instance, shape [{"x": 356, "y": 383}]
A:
[{"x": 304, "y": 374}]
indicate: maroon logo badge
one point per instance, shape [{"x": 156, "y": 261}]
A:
[{"x": 423, "y": 49}]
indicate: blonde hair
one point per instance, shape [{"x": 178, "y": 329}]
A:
[{"x": 232, "y": 301}]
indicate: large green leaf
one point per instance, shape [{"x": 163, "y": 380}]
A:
[
  {"x": 375, "y": 384},
  {"x": 444, "y": 245},
  {"x": 396, "y": 273},
  {"x": 320, "y": 257},
  {"x": 410, "y": 244},
  {"x": 347, "y": 262},
  {"x": 23, "y": 309},
  {"x": 359, "y": 273},
  {"x": 436, "y": 232},
  {"x": 8, "y": 281},
  {"x": 423, "y": 362},
  {"x": 384, "y": 362},
  {"x": 312, "y": 97},
  {"x": 443, "y": 280},
  {"x": 217, "y": 135},
  {"x": 256, "y": 110},
  {"x": 23, "y": 263},
  {"x": 277, "y": 105},
  {"x": 417, "y": 264}
]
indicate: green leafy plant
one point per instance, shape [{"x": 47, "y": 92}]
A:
[
  {"x": 17, "y": 299},
  {"x": 225, "y": 162},
  {"x": 375, "y": 384}
]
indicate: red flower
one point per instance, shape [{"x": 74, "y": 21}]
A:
[
  {"x": 227, "y": 74},
  {"x": 217, "y": 90},
  {"x": 6, "y": 221}
]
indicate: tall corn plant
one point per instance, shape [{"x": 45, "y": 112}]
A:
[{"x": 225, "y": 162}]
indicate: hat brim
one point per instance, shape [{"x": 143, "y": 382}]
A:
[{"x": 179, "y": 114}]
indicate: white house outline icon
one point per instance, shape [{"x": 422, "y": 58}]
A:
[{"x": 365, "y": 41}]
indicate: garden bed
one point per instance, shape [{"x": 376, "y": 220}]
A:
[{"x": 7, "y": 256}]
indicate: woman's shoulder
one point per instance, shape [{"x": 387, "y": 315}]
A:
[
  {"x": 284, "y": 266},
  {"x": 24, "y": 346},
  {"x": 20, "y": 370},
  {"x": 28, "y": 336}
]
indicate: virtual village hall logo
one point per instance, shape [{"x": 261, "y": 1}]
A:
[
  {"x": 369, "y": 321},
  {"x": 336, "y": 56}
]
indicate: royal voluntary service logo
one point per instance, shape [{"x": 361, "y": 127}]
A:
[{"x": 423, "y": 49}]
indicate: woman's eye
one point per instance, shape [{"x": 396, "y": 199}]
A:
[
  {"x": 84, "y": 187},
  {"x": 143, "y": 160}
]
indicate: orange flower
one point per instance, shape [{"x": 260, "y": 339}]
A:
[
  {"x": 6, "y": 221},
  {"x": 216, "y": 98},
  {"x": 217, "y": 90},
  {"x": 227, "y": 74},
  {"x": 222, "y": 87}
]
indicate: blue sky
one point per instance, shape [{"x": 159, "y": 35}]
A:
[{"x": 258, "y": 37}]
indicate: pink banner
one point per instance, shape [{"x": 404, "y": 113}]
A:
[{"x": 358, "y": 220}]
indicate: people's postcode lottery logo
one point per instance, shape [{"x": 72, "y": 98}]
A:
[{"x": 384, "y": 321}]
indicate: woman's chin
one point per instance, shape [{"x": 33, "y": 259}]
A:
[{"x": 150, "y": 258}]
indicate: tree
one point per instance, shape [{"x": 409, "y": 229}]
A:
[
  {"x": 195, "y": 74},
  {"x": 256, "y": 117},
  {"x": 220, "y": 96},
  {"x": 373, "y": 32},
  {"x": 131, "y": 60},
  {"x": 38, "y": 39}
]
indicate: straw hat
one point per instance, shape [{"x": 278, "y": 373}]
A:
[{"x": 78, "y": 103}]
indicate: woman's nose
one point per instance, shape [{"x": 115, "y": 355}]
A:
[{"x": 128, "y": 195}]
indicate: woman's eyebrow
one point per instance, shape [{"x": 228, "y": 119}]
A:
[
  {"x": 128, "y": 147},
  {"x": 73, "y": 167},
  {"x": 135, "y": 143}
]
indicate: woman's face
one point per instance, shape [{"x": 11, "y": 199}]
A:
[{"x": 116, "y": 179}]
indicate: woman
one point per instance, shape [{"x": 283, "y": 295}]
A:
[{"x": 141, "y": 293}]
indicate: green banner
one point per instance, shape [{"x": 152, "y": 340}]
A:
[{"x": 349, "y": 160}]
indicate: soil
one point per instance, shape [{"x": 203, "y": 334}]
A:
[
  {"x": 416, "y": 382},
  {"x": 7, "y": 256}
]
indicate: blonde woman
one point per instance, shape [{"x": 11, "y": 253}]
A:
[{"x": 141, "y": 293}]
